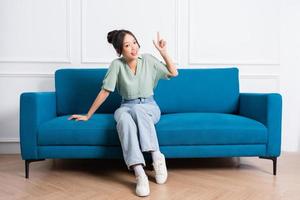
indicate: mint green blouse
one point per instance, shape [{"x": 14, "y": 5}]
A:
[{"x": 131, "y": 86}]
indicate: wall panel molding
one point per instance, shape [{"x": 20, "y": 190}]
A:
[
  {"x": 16, "y": 75},
  {"x": 9, "y": 140},
  {"x": 88, "y": 60},
  {"x": 195, "y": 60},
  {"x": 67, "y": 59}
]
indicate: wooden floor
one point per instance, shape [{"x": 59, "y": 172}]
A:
[{"x": 219, "y": 178}]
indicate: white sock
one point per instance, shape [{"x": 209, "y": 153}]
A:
[
  {"x": 138, "y": 170},
  {"x": 156, "y": 155}
]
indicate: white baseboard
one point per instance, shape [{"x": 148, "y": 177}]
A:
[
  {"x": 9, "y": 147},
  {"x": 12, "y": 146}
]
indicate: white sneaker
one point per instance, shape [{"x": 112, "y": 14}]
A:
[
  {"x": 142, "y": 186},
  {"x": 160, "y": 168}
]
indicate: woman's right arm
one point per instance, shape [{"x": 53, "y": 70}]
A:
[{"x": 103, "y": 94}]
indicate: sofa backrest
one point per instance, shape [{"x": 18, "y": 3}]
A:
[
  {"x": 194, "y": 90},
  {"x": 76, "y": 90},
  {"x": 200, "y": 90}
]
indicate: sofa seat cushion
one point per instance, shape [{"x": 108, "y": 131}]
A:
[
  {"x": 209, "y": 129},
  {"x": 172, "y": 129},
  {"x": 99, "y": 130}
]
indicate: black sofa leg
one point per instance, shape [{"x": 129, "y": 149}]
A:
[
  {"x": 274, "y": 159},
  {"x": 27, "y": 162}
]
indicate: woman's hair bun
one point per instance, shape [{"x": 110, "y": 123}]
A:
[{"x": 111, "y": 35}]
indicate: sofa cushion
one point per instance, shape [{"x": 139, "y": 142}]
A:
[
  {"x": 209, "y": 129},
  {"x": 172, "y": 129},
  {"x": 99, "y": 130}
]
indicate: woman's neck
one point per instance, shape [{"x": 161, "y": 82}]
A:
[{"x": 131, "y": 63}]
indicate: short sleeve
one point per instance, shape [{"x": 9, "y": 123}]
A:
[
  {"x": 111, "y": 77},
  {"x": 162, "y": 71}
]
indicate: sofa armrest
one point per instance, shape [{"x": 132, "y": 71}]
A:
[
  {"x": 35, "y": 108},
  {"x": 267, "y": 109}
]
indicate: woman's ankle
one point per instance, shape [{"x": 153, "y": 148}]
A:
[
  {"x": 138, "y": 170},
  {"x": 156, "y": 155}
]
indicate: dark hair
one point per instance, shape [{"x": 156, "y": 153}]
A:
[{"x": 116, "y": 38}]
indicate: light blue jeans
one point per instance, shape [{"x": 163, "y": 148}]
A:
[{"x": 135, "y": 125}]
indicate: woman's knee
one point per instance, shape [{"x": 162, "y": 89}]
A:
[
  {"x": 122, "y": 111},
  {"x": 126, "y": 125}
]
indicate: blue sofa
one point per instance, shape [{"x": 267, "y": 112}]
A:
[{"x": 203, "y": 115}]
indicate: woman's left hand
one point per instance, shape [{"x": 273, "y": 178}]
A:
[{"x": 160, "y": 44}]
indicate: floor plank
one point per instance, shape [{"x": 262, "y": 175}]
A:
[{"x": 205, "y": 179}]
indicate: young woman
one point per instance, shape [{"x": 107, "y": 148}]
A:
[{"x": 135, "y": 76}]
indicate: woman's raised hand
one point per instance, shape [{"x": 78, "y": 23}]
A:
[
  {"x": 160, "y": 44},
  {"x": 79, "y": 117}
]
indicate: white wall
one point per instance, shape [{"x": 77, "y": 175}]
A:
[
  {"x": 257, "y": 36},
  {"x": 290, "y": 73}
]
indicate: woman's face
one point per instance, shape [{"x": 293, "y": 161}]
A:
[{"x": 130, "y": 48}]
